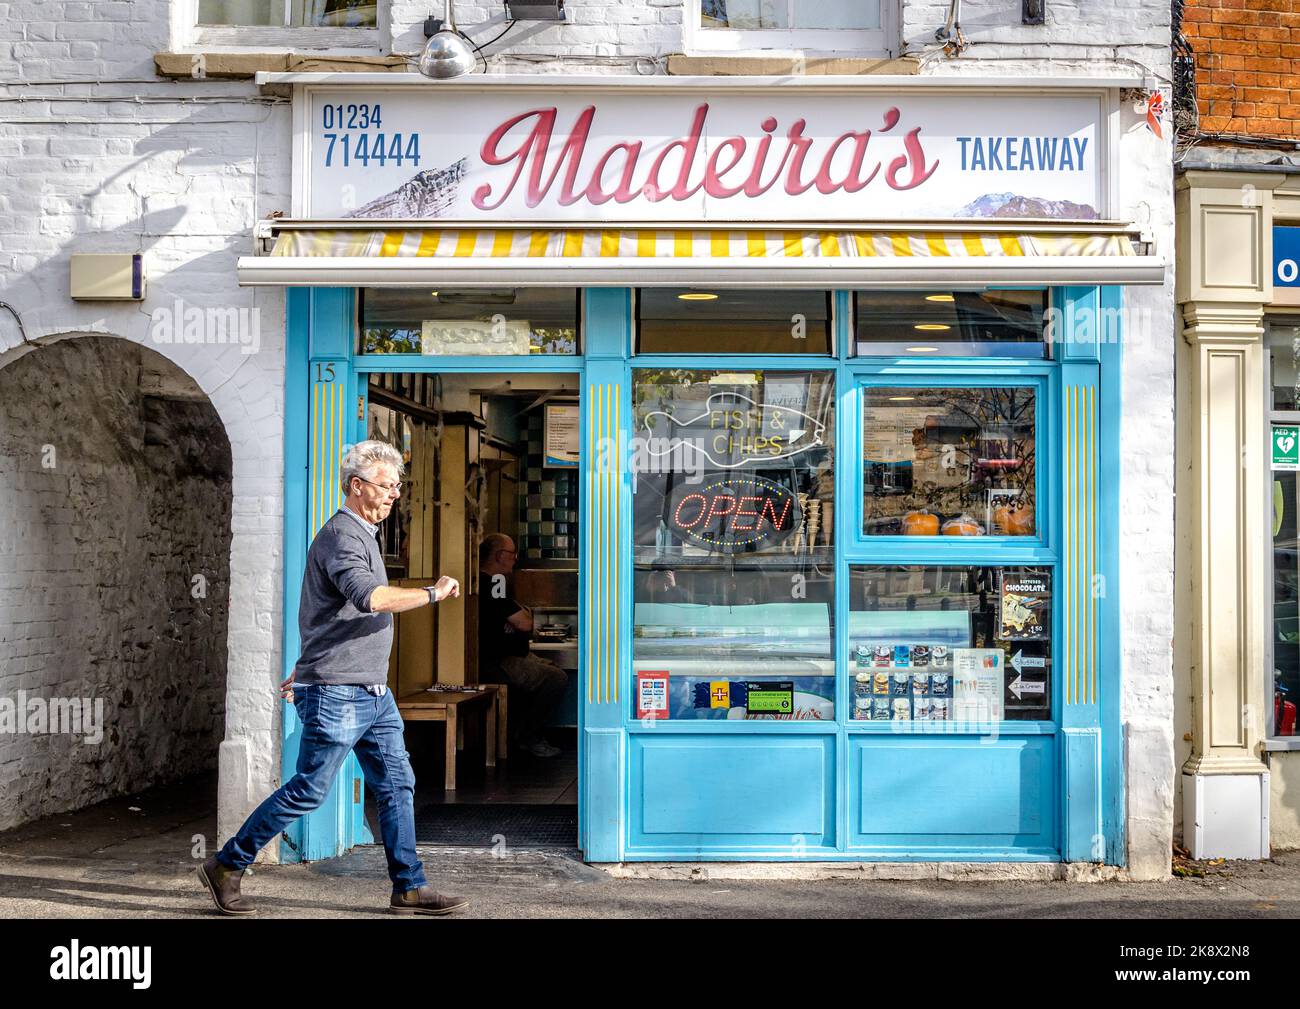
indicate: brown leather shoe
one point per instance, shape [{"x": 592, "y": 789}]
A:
[
  {"x": 425, "y": 900},
  {"x": 223, "y": 884}
]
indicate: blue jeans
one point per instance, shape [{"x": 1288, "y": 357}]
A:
[{"x": 335, "y": 720}]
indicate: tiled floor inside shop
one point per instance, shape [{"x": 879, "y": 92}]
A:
[{"x": 523, "y": 800}]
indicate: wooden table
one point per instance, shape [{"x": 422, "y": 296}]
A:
[{"x": 445, "y": 706}]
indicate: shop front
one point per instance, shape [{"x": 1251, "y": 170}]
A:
[
  {"x": 839, "y": 366},
  {"x": 1239, "y": 292}
]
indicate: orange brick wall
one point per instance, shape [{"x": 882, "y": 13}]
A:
[{"x": 1247, "y": 65}]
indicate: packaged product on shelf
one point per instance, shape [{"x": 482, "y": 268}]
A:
[
  {"x": 861, "y": 656},
  {"x": 941, "y": 685},
  {"x": 920, "y": 655},
  {"x": 880, "y": 709},
  {"x": 939, "y": 655},
  {"x": 862, "y": 707},
  {"x": 899, "y": 686},
  {"x": 939, "y": 708},
  {"x": 902, "y": 655},
  {"x": 881, "y": 683},
  {"x": 882, "y": 655},
  {"x": 920, "y": 684},
  {"x": 902, "y": 711},
  {"x": 921, "y": 709}
]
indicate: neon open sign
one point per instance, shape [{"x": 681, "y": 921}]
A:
[{"x": 732, "y": 514}]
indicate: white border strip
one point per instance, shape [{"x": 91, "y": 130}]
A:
[{"x": 882, "y": 272}]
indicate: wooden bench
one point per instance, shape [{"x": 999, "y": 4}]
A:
[{"x": 446, "y": 706}]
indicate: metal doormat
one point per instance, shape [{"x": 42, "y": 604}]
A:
[{"x": 519, "y": 825}]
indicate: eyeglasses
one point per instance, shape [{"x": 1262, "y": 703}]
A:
[{"x": 387, "y": 487}]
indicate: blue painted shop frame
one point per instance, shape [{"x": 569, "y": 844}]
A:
[{"x": 658, "y": 790}]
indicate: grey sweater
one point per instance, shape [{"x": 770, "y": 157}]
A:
[{"x": 342, "y": 641}]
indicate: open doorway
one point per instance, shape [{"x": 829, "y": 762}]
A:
[{"x": 487, "y": 684}]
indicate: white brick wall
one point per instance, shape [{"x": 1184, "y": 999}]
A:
[{"x": 181, "y": 170}]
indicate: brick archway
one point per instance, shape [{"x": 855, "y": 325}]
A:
[{"x": 115, "y": 547}]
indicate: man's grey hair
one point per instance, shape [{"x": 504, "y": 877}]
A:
[{"x": 362, "y": 458}]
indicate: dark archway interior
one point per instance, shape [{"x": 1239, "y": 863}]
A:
[{"x": 115, "y": 530}]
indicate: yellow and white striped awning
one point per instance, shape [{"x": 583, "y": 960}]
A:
[{"x": 323, "y": 255}]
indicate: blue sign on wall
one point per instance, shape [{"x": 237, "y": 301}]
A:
[{"x": 1286, "y": 256}]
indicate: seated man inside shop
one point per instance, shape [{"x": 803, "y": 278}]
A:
[{"x": 504, "y": 631}]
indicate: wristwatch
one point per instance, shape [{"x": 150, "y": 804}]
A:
[{"x": 432, "y": 598}]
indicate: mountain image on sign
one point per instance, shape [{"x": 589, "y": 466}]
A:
[
  {"x": 428, "y": 194},
  {"x": 1013, "y": 205},
  {"x": 782, "y": 431}
]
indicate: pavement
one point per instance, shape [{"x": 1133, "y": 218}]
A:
[{"x": 135, "y": 857}]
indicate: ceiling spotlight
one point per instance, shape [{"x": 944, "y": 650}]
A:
[
  {"x": 448, "y": 53},
  {"x": 931, "y": 327},
  {"x": 939, "y": 297},
  {"x": 697, "y": 296},
  {"x": 902, "y": 399},
  {"x": 922, "y": 350}
]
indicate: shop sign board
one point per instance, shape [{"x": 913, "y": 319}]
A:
[
  {"x": 636, "y": 154},
  {"x": 1286, "y": 256},
  {"x": 1285, "y": 445}
]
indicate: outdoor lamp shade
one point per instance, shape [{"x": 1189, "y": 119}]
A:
[{"x": 446, "y": 54}]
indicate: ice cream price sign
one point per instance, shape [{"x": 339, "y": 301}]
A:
[{"x": 644, "y": 153}]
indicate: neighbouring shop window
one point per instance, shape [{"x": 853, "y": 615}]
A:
[
  {"x": 1283, "y": 337},
  {"x": 289, "y": 13},
  {"x": 705, "y": 321},
  {"x": 470, "y": 322},
  {"x": 959, "y": 644},
  {"x": 949, "y": 461},
  {"x": 952, "y": 323},
  {"x": 1286, "y": 605},
  {"x": 734, "y": 561},
  {"x": 1284, "y": 363}
]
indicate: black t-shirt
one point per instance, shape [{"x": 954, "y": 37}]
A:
[{"x": 496, "y": 639}]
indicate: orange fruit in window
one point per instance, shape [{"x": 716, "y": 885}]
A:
[{"x": 920, "y": 523}]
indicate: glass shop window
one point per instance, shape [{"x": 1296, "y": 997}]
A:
[
  {"x": 403, "y": 320},
  {"x": 949, "y": 461},
  {"x": 952, "y": 323},
  {"x": 289, "y": 13},
  {"x": 950, "y": 644},
  {"x": 1283, "y": 338},
  {"x": 733, "y": 586},
  {"x": 681, "y": 321}
]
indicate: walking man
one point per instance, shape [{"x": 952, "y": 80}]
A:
[{"x": 339, "y": 689}]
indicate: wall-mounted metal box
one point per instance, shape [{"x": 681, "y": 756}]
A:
[{"x": 113, "y": 277}]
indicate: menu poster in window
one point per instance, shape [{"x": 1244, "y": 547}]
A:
[
  {"x": 978, "y": 679},
  {"x": 652, "y": 693},
  {"x": 1022, "y": 615},
  {"x": 562, "y": 435},
  {"x": 889, "y": 433}
]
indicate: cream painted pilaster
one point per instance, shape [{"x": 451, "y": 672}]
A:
[{"x": 1224, "y": 282}]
